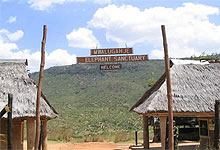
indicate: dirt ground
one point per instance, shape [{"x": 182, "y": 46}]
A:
[
  {"x": 102, "y": 146},
  {"x": 88, "y": 146}
]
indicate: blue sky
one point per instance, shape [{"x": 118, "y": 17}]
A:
[{"x": 75, "y": 26}]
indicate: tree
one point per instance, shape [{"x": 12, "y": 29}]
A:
[{"x": 150, "y": 81}]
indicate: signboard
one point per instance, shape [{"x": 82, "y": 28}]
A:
[
  {"x": 110, "y": 67},
  {"x": 103, "y": 59},
  {"x": 111, "y": 51}
]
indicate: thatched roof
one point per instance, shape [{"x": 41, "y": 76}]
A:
[
  {"x": 14, "y": 79},
  {"x": 195, "y": 88}
]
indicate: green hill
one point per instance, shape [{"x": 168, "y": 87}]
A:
[{"x": 94, "y": 102}]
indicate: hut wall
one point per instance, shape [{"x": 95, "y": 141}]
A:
[
  {"x": 3, "y": 132},
  {"x": 30, "y": 134},
  {"x": 163, "y": 121},
  {"x": 17, "y": 134}
]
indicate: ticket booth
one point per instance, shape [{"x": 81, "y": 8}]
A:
[{"x": 206, "y": 132}]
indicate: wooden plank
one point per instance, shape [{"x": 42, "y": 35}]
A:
[
  {"x": 104, "y": 59},
  {"x": 169, "y": 94},
  {"x": 111, "y": 51},
  {"x": 110, "y": 67}
]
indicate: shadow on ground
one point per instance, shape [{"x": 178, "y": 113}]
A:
[{"x": 186, "y": 147}]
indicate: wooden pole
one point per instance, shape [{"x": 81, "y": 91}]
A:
[
  {"x": 40, "y": 82},
  {"x": 41, "y": 135},
  {"x": 216, "y": 136},
  {"x": 10, "y": 99},
  {"x": 145, "y": 132},
  {"x": 44, "y": 138},
  {"x": 169, "y": 94},
  {"x": 136, "y": 137}
]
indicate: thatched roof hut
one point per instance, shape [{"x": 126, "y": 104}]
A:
[
  {"x": 195, "y": 87},
  {"x": 14, "y": 79}
]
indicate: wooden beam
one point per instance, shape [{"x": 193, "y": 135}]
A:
[
  {"x": 163, "y": 121},
  {"x": 40, "y": 82},
  {"x": 41, "y": 134},
  {"x": 30, "y": 133},
  {"x": 169, "y": 94},
  {"x": 44, "y": 137},
  {"x": 188, "y": 114},
  {"x": 216, "y": 133},
  {"x": 3, "y": 111},
  {"x": 145, "y": 132},
  {"x": 10, "y": 99}
]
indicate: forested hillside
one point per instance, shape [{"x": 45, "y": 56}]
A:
[{"x": 94, "y": 102}]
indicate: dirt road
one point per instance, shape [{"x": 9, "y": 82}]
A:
[{"x": 88, "y": 146}]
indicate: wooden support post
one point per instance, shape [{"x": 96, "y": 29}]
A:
[
  {"x": 136, "y": 137},
  {"x": 163, "y": 122},
  {"x": 40, "y": 82},
  {"x": 30, "y": 134},
  {"x": 41, "y": 134},
  {"x": 44, "y": 137},
  {"x": 10, "y": 99},
  {"x": 145, "y": 132},
  {"x": 169, "y": 94},
  {"x": 216, "y": 136}
]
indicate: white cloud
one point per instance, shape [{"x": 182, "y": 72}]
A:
[
  {"x": 102, "y": 1},
  {"x": 189, "y": 30},
  {"x": 46, "y": 4},
  {"x": 55, "y": 58},
  {"x": 16, "y": 35},
  {"x": 11, "y": 36},
  {"x": 60, "y": 57},
  {"x": 157, "y": 54},
  {"x": 82, "y": 38},
  {"x": 11, "y": 19}
]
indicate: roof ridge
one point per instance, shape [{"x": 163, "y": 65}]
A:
[{"x": 25, "y": 61}]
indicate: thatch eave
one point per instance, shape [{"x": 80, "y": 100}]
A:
[
  {"x": 14, "y": 79},
  {"x": 195, "y": 88}
]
